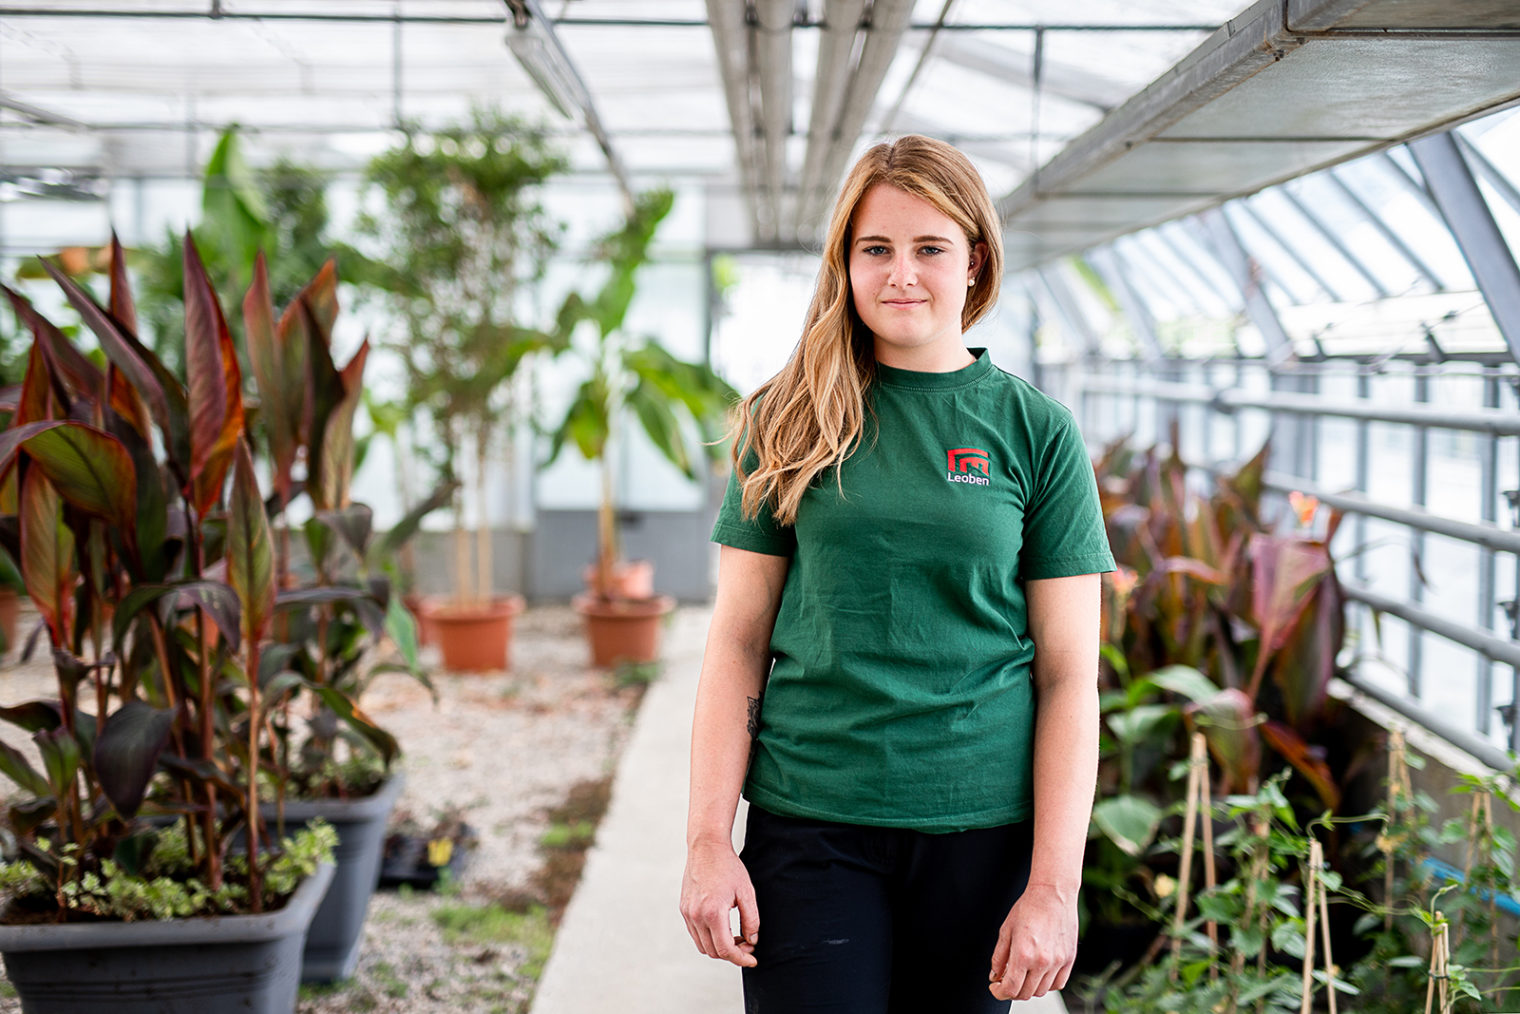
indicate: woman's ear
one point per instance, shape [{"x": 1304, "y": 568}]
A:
[{"x": 978, "y": 258}]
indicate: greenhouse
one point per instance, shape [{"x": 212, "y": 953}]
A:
[{"x": 371, "y": 375}]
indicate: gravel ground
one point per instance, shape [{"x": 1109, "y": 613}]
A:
[{"x": 505, "y": 748}]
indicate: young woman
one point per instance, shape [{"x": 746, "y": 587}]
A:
[{"x": 901, "y": 672}]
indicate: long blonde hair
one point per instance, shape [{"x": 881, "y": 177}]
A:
[{"x": 810, "y": 416}]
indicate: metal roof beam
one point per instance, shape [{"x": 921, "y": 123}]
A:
[
  {"x": 1067, "y": 306},
  {"x": 534, "y": 42},
  {"x": 831, "y": 80},
  {"x": 1286, "y": 88},
  {"x": 1231, "y": 301},
  {"x": 1216, "y": 233},
  {"x": 38, "y": 115},
  {"x": 889, "y": 19},
  {"x": 1113, "y": 272},
  {"x": 1472, "y": 225},
  {"x": 1481, "y": 166},
  {"x": 1071, "y": 84},
  {"x": 732, "y": 46},
  {"x": 1391, "y": 237},
  {"x": 771, "y": 35},
  {"x": 1329, "y": 236},
  {"x": 1294, "y": 254}
]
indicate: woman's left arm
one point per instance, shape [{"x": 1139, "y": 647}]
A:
[{"x": 1038, "y": 941}]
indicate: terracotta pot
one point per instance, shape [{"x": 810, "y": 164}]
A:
[
  {"x": 623, "y": 630},
  {"x": 10, "y": 608},
  {"x": 631, "y": 579},
  {"x": 475, "y": 638}
]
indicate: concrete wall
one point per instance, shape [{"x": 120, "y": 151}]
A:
[
  {"x": 545, "y": 563},
  {"x": 565, "y": 542},
  {"x": 1444, "y": 764}
]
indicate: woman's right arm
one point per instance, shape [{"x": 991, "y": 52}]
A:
[{"x": 734, "y": 669}]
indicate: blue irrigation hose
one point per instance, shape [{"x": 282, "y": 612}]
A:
[{"x": 1446, "y": 871}]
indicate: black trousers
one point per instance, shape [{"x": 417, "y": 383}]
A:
[{"x": 869, "y": 920}]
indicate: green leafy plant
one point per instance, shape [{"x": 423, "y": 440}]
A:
[
  {"x": 1484, "y": 970},
  {"x": 332, "y": 622},
  {"x": 465, "y": 227},
  {"x": 157, "y": 589},
  {"x": 1258, "y": 915},
  {"x": 634, "y": 377},
  {"x": 1217, "y": 620}
]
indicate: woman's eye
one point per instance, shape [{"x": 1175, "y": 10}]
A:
[
  {"x": 932, "y": 250},
  {"x": 872, "y": 251}
]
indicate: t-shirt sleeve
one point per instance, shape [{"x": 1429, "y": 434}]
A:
[
  {"x": 1064, "y": 533},
  {"x": 760, "y": 534}
]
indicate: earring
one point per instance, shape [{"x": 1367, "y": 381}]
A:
[{"x": 970, "y": 282}]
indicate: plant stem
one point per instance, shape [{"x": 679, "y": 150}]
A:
[
  {"x": 606, "y": 528},
  {"x": 482, "y": 523},
  {"x": 208, "y": 729},
  {"x": 255, "y": 873}
]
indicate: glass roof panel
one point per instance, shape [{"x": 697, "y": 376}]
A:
[
  {"x": 1281, "y": 268},
  {"x": 1357, "y": 232},
  {"x": 1093, "y": 12}
]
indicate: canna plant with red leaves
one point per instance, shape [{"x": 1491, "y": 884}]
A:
[
  {"x": 1215, "y": 587},
  {"x": 336, "y": 611},
  {"x": 134, "y": 509},
  {"x": 1219, "y": 621}
]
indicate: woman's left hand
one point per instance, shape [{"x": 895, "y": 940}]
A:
[{"x": 1037, "y": 944}]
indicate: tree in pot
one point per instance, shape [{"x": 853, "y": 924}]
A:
[
  {"x": 465, "y": 225},
  {"x": 632, "y": 376},
  {"x": 158, "y": 601},
  {"x": 338, "y": 764}
]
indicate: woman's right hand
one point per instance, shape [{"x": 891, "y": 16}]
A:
[{"x": 715, "y": 883}]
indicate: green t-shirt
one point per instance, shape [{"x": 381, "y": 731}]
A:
[{"x": 901, "y": 693}]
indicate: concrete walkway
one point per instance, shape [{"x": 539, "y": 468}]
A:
[{"x": 622, "y": 945}]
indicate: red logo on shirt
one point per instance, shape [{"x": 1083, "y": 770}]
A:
[
  {"x": 960, "y": 460},
  {"x": 963, "y": 457}
]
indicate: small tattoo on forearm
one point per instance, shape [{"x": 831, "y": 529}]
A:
[{"x": 753, "y": 725}]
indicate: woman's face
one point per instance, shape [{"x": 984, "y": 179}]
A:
[{"x": 910, "y": 269}]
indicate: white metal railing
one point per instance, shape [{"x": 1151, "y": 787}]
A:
[{"x": 1142, "y": 400}]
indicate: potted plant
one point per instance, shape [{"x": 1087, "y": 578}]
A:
[
  {"x": 157, "y": 591},
  {"x": 464, "y": 224},
  {"x": 626, "y": 377},
  {"x": 331, "y": 760},
  {"x": 1218, "y": 621}
]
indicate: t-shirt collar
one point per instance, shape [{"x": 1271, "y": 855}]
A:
[{"x": 892, "y": 376}]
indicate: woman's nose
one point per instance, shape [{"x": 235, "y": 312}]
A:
[{"x": 903, "y": 272}]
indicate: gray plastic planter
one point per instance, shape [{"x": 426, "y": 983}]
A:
[
  {"x": 244, "y": 963},
  {"x": 332, "y": 945}
]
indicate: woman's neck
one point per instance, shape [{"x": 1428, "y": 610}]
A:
[{"x": 925, "y": 359}]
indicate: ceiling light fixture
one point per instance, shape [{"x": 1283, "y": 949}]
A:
[{"x": 537, "y": 49}]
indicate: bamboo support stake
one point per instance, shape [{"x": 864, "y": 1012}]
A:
[
  {"x": 1324, "y": 929},
  {"x": 1185, "y": 872},
  {"x": 1184, "y": 875},
  {"x": 1206, "y": 804},
  {"x": 1479, "y": 817},
  {"x": 1439, "y": 959},
  {"x": 1311, "y": 913},
  {"x": 1493, "y": 896},
  {"x": 1398, "y": 788},
  {"x": 1480, "y": 829},
  {"x": 1316, "y": 910}
]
